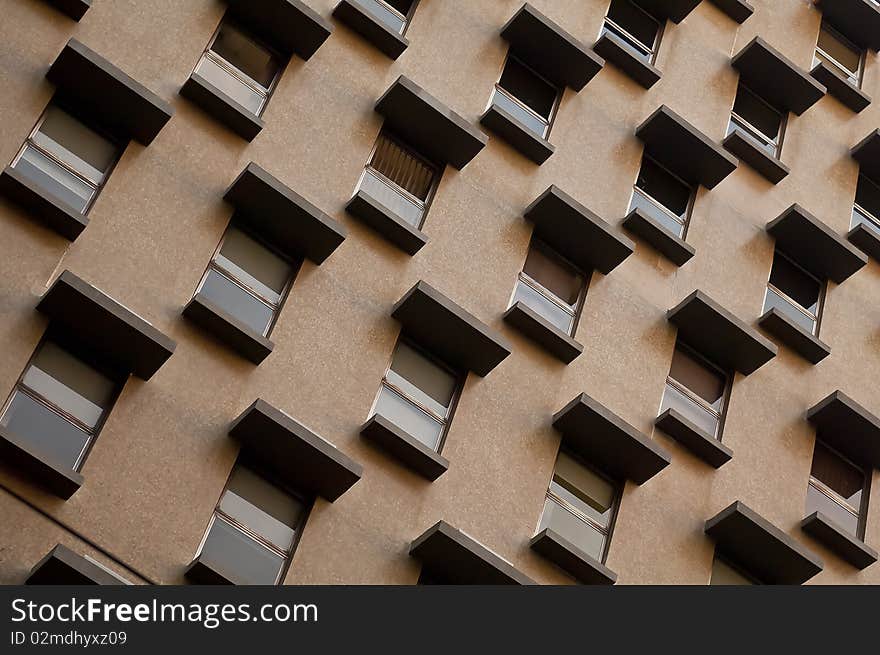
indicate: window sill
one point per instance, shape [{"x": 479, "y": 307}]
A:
[
  {"x": 611, "y": 48},
  {"x": 866, "y": 240},
  {"x": 358, "y": 19},
  {"x": 75, "y": 9},
  {"x": 738, "y": 10},
  {"x": 57, "y": 215},
  {"x": 839, "y": 87},
  {"x": 699, "y": 442},
  {"x": 217, "y": 104},
  {"x": 411, "y": 452},
  {"x": 62, "y": 566},
  {"x": 381, "y": 219},
  {"x": 203, "y": 572},
  {"x": 61, "y": 481},
  {"x": 676, "y": 250},
  {"x": 571, "y": 559},
  {"x": 794, "y": 336},
  {"x": 772, "y": 169},
  {"x": 508, "y": 128},
  {"x": 250, "y": 345},
  {"x": 538, "y": 329},
  {"x": 835, "y": 538}
]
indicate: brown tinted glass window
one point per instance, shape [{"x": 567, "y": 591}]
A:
[
  {"x": 868, "y": 195},
  {"x": 795, "y": 283},
  {"x": 705, "y": 382},
  {"x": 528, "y": 88},
  {"x": 403, "y": 168},
  {"x": 664, "y": 187},
  {"x": 555, "y": 275},
  {"x": 245, "y": 54},
  {"x": 840, "y": 49},
  {"x": 427, "y": 376},
  {"x": 752, "y": 108},
  {"x": 634, "y": 20},
  {"x": 403, "y": 6},
  {"x": 837, "y": 474}
]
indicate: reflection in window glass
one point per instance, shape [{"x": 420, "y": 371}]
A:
[
  {"x": 636, "y": 28},
  {"x": 794, "y": 292},
  {"x": 866, "y": 210},
  {"x": 757, "y": 120},
  {"x": 662, "y": 196},
  {"x": 842, "y": 55},
  {"x": 836, "y": 488},
  {"x": 527, "y": 96},
  {"x": 550, "y": 286},
  {"x": 696, "y": 390}
]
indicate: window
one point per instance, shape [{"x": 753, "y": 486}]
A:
[
  {"x": 580, "y": 506},
  {"x": 551, "y": 286},
  {"x": 418, "y": 394},
  {"x": 756, "y": 120},
  {"x": 838, "y": 489},
  {"x": 866, "y": 209},
  {"x": 67, "y": 158},
  {"x": 240, "y": 66},
  {"x": 393, "y": 14},
  {"x": 794, "y": 292},
  {"x": 663, "y": 196},
  {"x": 254, "y": 529},
  {"x": 527, "y": 96},
  {"x": 400, "y": 180},
  {"x": 61, "y": 401},
  {"x": 840, "y": 54},
  {"x": 248, "y": 279},
  {"x": 725, "y": 573},
  {"x": 697, "y": 389},
  {"x": 636, "y": 28}
]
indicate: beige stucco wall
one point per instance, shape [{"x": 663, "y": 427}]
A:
[{"x": 156, "y": 471}]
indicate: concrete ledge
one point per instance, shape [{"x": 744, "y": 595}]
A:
[
  {"x": 738, "y": 10},
  {"x": 364, "y": 23},
  {"x": 847, "y": 546},
  {"x": 611, "y": 47},
  {"x": 526, "y": 142},
  {"x": 847, "y": 426},
  {"x": 291, "y": 26},
  {"x": 771, "y": 168},
  {"x": 228, "y": 329},
  {"x": 386, "y": 223},
  {"x": 539, "y": 330},
  {"x": 62, "y": 566},
  {"x": 74, "y": 9},
  {"x": 408, "y": 450},
  {"x": 571, "y": 559},
  {"x": 220, "y": 106},
  {"x": 42, "y": 205},
  {"x": 674, "y": 248},
  {"x": 794, "y": 336},
  {"x": 845, "y": 91},
  {"x": 698, "y": 441},
  {"x": 57, "y": 478}
]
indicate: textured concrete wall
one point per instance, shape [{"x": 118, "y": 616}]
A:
[{"x": 154, "y": 475}]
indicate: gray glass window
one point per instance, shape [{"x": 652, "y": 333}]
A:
[
  {"x": 60, "y": 403},
  {"x": 838, "y": 489},
  {"x": 757, "y": 120},
  {"x": 253, "y": 532},
  {"x": 725, "y": 573},
  {"x": 841, "y": 54},
  {"x": 393, "y": 14},
  {"x": 636, "y": 28},
  {"x": 67, "y": 158},
  {"x": 417, "y": 395},
  {"x": 794, "y": 292},
  {"x": 240, "y": 66},
  {"x": 551, "y": 287},
  {"x": 527, "y": 96},
  {"x": 248, "y": 279},
  {"x": 866, "y": 209},
  {"x": 399, "y": 179},
  {"x": 580, "y": 505},
  {"x": 696, "y": 389},
  {"x": 663, "y": 196}
]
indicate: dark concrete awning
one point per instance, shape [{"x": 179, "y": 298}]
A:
[
  {"x": 685, "y": 150},
  {"x": 847, "y": 426},
  {"x": 39, "y": 466},
  {"x": 541, "y": 331},
  {"x": 297, "y": 455},
  {"x": 616, "y": 51},
  {"x": 99, "y": 89},
  {"x": 867, "y": 153},
  {"x": 738, "y": 10},
  {"x": 804, "y": 343},
  {"x": 449, "y": 331},
  {"x": 550, "y": 50},
  {"x": 775, "y": 78},
  {"x": 100, "y": 322},
  {"x": 840, "y": 87},
  {"x": 601, "y": 437},
  {"x": 359, "y": 18},
  {"x": 453, "y": 557},
  {"x": 428, "y": 125},
  {"x": 840, "y": 541},
  {"x": 571, "y": 559},
  {"x": 859, "y": 20},
  {"x": 674, "y": 10},
  {"x": 283, "y": 217},
  {"x": 63, "y": 566},
  {"x": 242, "y": 338},
  {"x": 404, "y": 447},
  {"x": 719, "y": 335},
  {"x": 75, "y": 9},
  {"x": 694, "y": 438},
  {"x": 46, "y": 207},
  {"x": 761, "y": 548},
  {"x": 290, "y": 26},
  {"x": 221, "y": 106},
  {"x": 813, "y": 245},
  {"x": 577, "y": 233}
]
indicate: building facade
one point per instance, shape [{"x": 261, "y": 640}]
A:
[{"x": 387, "y": 292}]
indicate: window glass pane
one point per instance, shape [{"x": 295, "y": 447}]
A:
[
  {"x": 724, "y": 574},
  {"x": 757, "y": 112},
  {"x": 843, "y": 52},
  {"x": 236, "y": 301},
  {"x": 44, "y": 430},
  {"x": 384, "y": 14},
  {"x": 795, "y": 283},
  {"x": 242, "y": 559},
  {"x": 69, "y": 383},
  {"x": 528, "y": 88},
  {"x": 661, "y": 185},
  {"x": 837, "y": 474},
  {"x": 690, "y": 409},
  {"x": 246, "y": 55},
  {"x": 569, "y": 526},
  {"x": 527, "y": 119},
  {"x": 254, "y": 264},
  {"x": 868, "y": 196},
  {"x": 262, "y": 507},
  {"x": 538, "y": 302},
  {"x": 818, "y": 500},
  {"x": 84, "y": 150},
  {"x": 672, "y": 224},
  {"x": 402, "y": 167},
  {"x": 582, "y": 488},
  {"x": 54, "y": 179},
  {"x": 427, "y": 377},
  {"x": 388, "y": 194},
  {"x": 408, "y": 417},
  {"x": 553, "y": 274},
  {"x": 240, "y": 92},
  {"x": 705, "y": 382},
  {"x": 634, "y": 20}
]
